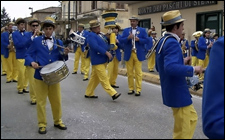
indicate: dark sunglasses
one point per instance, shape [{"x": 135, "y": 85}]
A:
[{"x": 35, "y": 25}]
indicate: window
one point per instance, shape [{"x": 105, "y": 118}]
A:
[
  {"x": 64, "y": 11},
  {"x": 119, "y": 6},
  {"x": 94, "y": 5}
]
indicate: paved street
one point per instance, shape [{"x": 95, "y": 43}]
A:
[{"x": 128, "y": 117}]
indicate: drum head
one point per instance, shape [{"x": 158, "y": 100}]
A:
[{"x": 52, "y": 67}]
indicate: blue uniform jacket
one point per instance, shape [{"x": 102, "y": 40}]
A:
[
  {"x": 193, "y": 49},
  {"x": 98, "y": 48},
  {"x": 213, "y": 93},
  {"x": 19, "y": 43},
  {"x": 2, "y": 46},
  {"x": 43, "y": 55},
  {"x": 28, "y": 44},
  {"x": 173, "y": 73},
  {"x": 148, "y": 45},
  {"x": 202, "y": 47},
  {"x": 5, "y": 43},
  {"x": 140, "y": 45}
]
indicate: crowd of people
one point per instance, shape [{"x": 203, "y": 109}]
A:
[{"x": 25, "y": 53}]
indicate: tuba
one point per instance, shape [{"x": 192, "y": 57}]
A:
[{"x": 11, "y": 44}]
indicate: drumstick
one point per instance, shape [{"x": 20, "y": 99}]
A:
[{"x": 62, "y": 47}]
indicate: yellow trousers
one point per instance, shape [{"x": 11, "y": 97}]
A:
[
  {"x": 11, "y": 66},
  {"x": 22, "y": 82},
  {"x": 194, "y": 61},
  {"x": 151, "y": 62},
  {"x": 87, "y": 63},
  {"x": 78, "y": 55},
  {"x": 113, "y": 71},
  {"x": 4, "y": 62},
  {"x": 201, "y": 63},
  {"x": 185, "y": 121},
  {"x": 99, "y": 75},
  {"x": 206, "y": 61},
  {"x": 53, "y": 92},
  {"x": 30, "y": 73},
  {"x": 134, "y": 72}
]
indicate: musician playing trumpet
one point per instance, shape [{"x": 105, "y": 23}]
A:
[
  {"x": 35, "y": 32},
  {"x": 134, "y": 39},
  {"x": 194, "y": 48}
]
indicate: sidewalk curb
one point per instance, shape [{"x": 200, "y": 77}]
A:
[{"x": 152, "y": 78}]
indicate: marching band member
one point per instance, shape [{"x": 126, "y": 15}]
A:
[
  {"x": 173, "y": 70},
  {"x": 19, "y": 40},
  {"x": 184, "y": 44},
  {"x": 46, "y": 51},
  {"x": 100, "y": 56},
  {"x": 213, "y": 93},
  {"x": 87, "y": 59},
  {"x": 215, "y": 37},
  {"x": 204, "y": 44},
  {"x": 9, "y": 54},
  {"x": 114, "y": 63},
  {"x": 134, "y": 39},
  {"x": 34, "y": 26},
  {"x": 194, "y": 48},
  {"x": 79, "y": 50},
  {"x": 3, "y": 60},
  {"x": 151, "y": 59}
]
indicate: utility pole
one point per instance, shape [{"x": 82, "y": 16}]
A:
[{"x": 69, "y": 26}]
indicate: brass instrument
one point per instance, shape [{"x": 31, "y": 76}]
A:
[
  {"x": 183, "y": 47},
  {"x": 197, "y": 35},
  {"x": 11, "y": 44}
]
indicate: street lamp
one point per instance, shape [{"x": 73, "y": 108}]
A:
[{"x": 31, "y": 10}]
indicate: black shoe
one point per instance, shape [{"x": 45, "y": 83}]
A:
[
  {"x": 3, "y": 75},
  {"x": 85, "y": 79},
  {"x": 20, "y": 92},
  {"x": 138, "y": 93},
  {"x": 8, "y": 81},
  {"x": 25, "y": 91},
  {"x": 74, "y": 73},
  {"x": 114, "y": 86},
  {"x": 130, "y": 92},
  {"x": 151, "y": 71},
  {"x": 32, "y": 103},
  {"x": 115, "y": 96},
  {"x": 14, "y": 81},
  {"x": 42, "y": 130},
  {"x": 94, "y": 96},
  {"x": 82, "y": 73},
  {"x": 60, "y": 126}
]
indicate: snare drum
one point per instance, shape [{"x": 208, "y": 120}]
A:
[{"x": 54, "y": 72}]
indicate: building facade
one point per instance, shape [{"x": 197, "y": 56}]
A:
[
  {"x": 75, "y": 12},
  {"x": 198, "y": 14}
]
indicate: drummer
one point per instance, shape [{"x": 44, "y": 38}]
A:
[{"x": 46, "y": 50}]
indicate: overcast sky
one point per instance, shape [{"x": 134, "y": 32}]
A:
[{"x": 21, "y": 8}]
